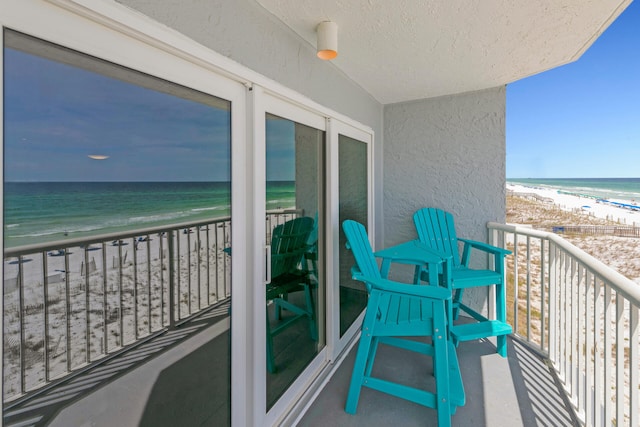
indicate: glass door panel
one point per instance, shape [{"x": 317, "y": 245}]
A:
[
  {"x": 353, "y": 204},
  {"x": 295, "y": 283},
  {"x": 120, "y": 182}
]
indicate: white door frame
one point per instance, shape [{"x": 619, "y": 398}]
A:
[{"x": 338, "y": 344}]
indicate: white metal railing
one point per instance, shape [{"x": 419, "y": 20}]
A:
[
  {"x": 582, "y": 315},
  {"x": 69, "y": 304}
]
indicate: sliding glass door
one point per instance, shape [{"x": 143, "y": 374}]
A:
[
  {"x": 293, "y": 188},
  {"x": 351, "y": 198},
  {"x": 118, "y": 191}
]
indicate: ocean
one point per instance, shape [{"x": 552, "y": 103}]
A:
[
  {"x": 38, "y": 212},
  {"x": 627, "y": 189}
]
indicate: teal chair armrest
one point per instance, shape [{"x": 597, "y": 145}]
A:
[
  {"x": 500, "y": 253},
  {"x": 486, "y": 247}
]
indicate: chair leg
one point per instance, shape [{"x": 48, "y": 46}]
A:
[
  {"x": 312, "y": 312},
  {"x": 363, "y": 356},
  {"x": 441, "y": 372},
  {"x": 357, "y": 377},
  {"x": 271, "y": 364},
  {"x": 502, "y": 345},
  {"x": 373, "y": 349},
  {"x": 457, "y": 298},
  {"x": 278, "y": 308}
]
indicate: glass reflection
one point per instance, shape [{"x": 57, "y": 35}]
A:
[
  {"x": 352, "y": 205},
  {"x": 295, "y": 293},
  {"x": 121, "y": 183}
]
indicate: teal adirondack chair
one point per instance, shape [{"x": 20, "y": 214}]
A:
[
  {"x": 396, "y": 310},
  {"x": 289, "y": 273},
  {"x": 436, "y": 229}
]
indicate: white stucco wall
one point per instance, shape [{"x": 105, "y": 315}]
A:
[
  {"x": 246, "y": 33},
  {"x": 446, "y": 152}
]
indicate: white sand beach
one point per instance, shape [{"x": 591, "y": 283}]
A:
[
  {"x": 589, "y": 206},
  {"x": 620, "y": 253}
]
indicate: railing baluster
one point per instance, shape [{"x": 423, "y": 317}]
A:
[
  {"x": 224, "y": 263},
  {"x": 120, "y": 300},
  {"x": 634, "y": 366},
  {"x": 597, "y": 352},
  {"x": 149, "y": 301},
  {"x": 620, "y": 369},
  {"x": 543, "y": 296},
  {"x": 105, "y": 301},
  {"x": 608, "y": 363},
  {"x": 575, "y": 346},
  {"x": 562, "y": 287},
  {"x": 218, "y": 244},
  {"x": 528, "y": 302},
  {"x": 87, "y": 305},
  {"x": 553, "y": 264},
  {"x": 188, "y": 257},
  {"x": 516, "y": 281},
  {"x": 589, "y": 400},
  {"x": 208, "y": 254},
  {"x": 21, "y": 317},
  {"x": 579, "y": 394},
  {"x": 135, "y": 288},
  {"x": 68, "y": 309},
  {"x": 198, "y": 242},
  {"x": 161, "y": 258},
  {"x": 45, "y": 309},
  {"x": 173, "y": 304}
]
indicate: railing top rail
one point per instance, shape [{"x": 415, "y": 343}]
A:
[
  {"x": 625, "y": 286},
  {"x": 68, "y": 243}
]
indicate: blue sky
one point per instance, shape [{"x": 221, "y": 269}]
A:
[
  {"x": 56, "y": 116},
  {"x": 581, "y": 120}
]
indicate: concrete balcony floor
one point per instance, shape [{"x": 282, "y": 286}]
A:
[
  {"x": 171, "y": 380},
  {"x": 519, "y": 390}
]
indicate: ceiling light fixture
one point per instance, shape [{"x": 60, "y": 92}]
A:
[{"x": 327, "y": 40}]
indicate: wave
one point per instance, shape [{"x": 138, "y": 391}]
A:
[
  {"x": 151, "y": 218},
  {"x": 212, "y": 208},
  {"x": 54, "y": 231},
  {"x": 12, "y": 225}
]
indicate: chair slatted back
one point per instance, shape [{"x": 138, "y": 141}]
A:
[
  {"x": 436, "y": 228},
  {"x": 361, "y": 248},
  {"x": 288, "y": 245}
]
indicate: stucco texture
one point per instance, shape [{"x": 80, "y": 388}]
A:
[{"x": 449, "y": 153}]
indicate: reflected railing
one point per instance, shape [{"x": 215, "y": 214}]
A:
[
  {"x": 579, "y": 313},
  {"x": 72, "y": 303}
]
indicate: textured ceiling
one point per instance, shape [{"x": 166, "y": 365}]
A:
[{"x": 399, "y": 50}]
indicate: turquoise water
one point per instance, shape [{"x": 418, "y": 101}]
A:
[
  {"x": 43, "y": 212},
  {"x": 605, "y": 188}
]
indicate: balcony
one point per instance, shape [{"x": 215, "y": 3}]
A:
[{"x": 574, "y": 357}]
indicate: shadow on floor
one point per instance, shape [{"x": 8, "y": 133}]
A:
[
  {"x": 40, "y": 408},
  {"x": 193, "y": 391}
]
